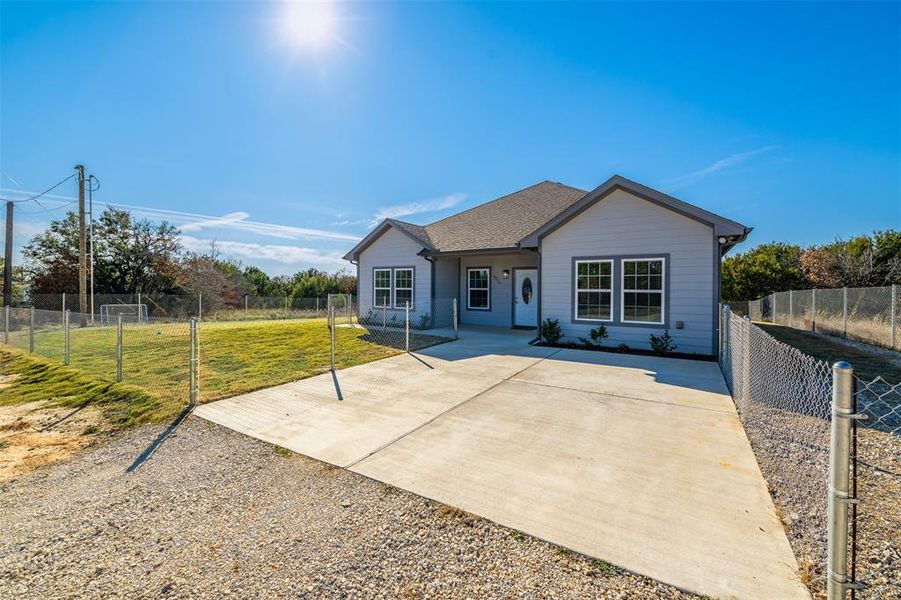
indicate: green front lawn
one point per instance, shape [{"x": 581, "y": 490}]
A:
[{"x": 235, "y": 357}]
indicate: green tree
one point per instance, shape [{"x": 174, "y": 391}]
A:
[
  {"x": 130, "y": 256},
  {"x": 767, "y": 268}
]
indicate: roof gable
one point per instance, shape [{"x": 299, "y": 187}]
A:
[
  {"x": 414, "y": 232},
  {"x": 720, "y": 225}
]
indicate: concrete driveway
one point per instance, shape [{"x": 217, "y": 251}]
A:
[{"x": 639, "y": 461}]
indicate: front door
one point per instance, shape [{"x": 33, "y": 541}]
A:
[{"x": 525, "y": 298}]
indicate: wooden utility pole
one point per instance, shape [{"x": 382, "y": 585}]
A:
[
  {"x": 82, "y": 246},
  {"x": 8, "y": 265}
]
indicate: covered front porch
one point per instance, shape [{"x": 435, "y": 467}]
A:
[{"x": 493, "y": 289}]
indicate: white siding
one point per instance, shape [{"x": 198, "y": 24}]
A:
[
  {"x": 395, "y": 249},
  {"x": 623, "y": 224},
  {"x": 501, "y": 313}
]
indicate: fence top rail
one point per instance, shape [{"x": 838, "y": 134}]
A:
[{"x": 880, "y": 288}]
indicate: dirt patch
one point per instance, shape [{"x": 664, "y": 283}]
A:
[{"x": 34, "y": 434}]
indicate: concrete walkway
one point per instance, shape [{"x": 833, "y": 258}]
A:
[{"x": 639, "y": 461}]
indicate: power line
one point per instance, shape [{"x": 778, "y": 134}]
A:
[{"x": 47, "y": 191}]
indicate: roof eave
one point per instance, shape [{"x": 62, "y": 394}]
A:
[
  {"x": 720, "y": 225},
  {"x": 375, "y": 234}
]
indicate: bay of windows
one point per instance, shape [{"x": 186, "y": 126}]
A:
[
  {"x": 640, "y": 290},
  {"x": 392, "y": 287}
]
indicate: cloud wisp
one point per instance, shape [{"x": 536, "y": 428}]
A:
[
  {"x": 415, "y": 208},
  {"x": 280, "y": 253},
  {"x": 720, "y": 165},
  {"x": 239, "y": 221}
]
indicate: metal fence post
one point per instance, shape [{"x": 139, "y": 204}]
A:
[
  {"x": 894, "y": 316},
  {"x": 199, "y": 306},
  {"x": 456, "y": 329},
  {"x": 844, "y": 312},
  {"x": 746, "y": 360},
  {"x": 119, "y": 347},
  {"x": 791, "y": 308},
  {"x": 193, "y": 366},
  {"x": 839, "y": 481},
  {"x": 773, "y": 308},
  {"x": 331, "y": 328},
  {"x": 727, "y": 333},
  {"x": 31, "y": 329},
  {"x": 66, "y": 353},
  {"x": 813, "y": 310},
  {"x": 64, "y": 301},
  {"x": 407, "y": 325},
  {"x": 6, "y": 324},
  {"x": 245, "y": 305}
]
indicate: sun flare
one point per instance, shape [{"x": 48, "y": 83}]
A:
[{"x": 309, "y": 24}]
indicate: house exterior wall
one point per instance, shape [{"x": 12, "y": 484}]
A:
[
  {"x": 501, "y": 312},
  {"x": 620, "y": 226},
  {"x": 395, "y": 249}
]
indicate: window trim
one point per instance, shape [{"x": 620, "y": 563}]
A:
[
  {"x": 469, "y": 289},
  {"x": 375, "y": 288},
  {"x": 576, "y": 289},
  {"x": 622, "y": 290},
  {"x": 412, "y": 287}
]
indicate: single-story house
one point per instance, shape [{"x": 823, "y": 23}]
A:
[{"x": 623, "y": 254}]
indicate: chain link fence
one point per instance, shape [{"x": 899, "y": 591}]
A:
[
  {"x": 871, "y": 315},
  {"x": 876, "y": 480},
  {"x": 178, "y": 306},
  {"x": 163, "y": 355},
  {"x": 784, "y": 400}
]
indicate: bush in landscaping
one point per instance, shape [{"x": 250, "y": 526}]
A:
[
  {"x": 550, "y": 331},
  {"x": 662, "y": 344}
]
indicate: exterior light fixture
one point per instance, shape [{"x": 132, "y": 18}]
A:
[
  {"x": 506, "y": 273},
  {"x": 722, "y": 240}
]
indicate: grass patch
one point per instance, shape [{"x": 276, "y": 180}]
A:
[
  {"x": 235, "y": 358},
  {"x": 282, "y": 451},
  {"x": 41, "y": 379},
  {"x": 867, "y": 365}
]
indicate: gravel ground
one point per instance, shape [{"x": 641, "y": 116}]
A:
[
  {"x": 212, "y": 513},
  {"x": 793, "y": 453}
]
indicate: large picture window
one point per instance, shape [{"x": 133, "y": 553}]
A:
[
  {"x": 403, "y": 288},
  {"x": 643, "y": 291},
  {"x": 594, "y": 290},
  {"x": 478, "y": 292},
  {"x": 381, "y": 288}
]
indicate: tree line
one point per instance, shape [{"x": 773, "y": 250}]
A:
[
  {"x": 138, "y": 256},
  {"x": 862, "y": 261}
]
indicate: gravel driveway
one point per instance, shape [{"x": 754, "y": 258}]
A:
[{"x": 213, "y": 513}]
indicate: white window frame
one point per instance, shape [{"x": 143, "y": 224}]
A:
[
  {"x": 623, "y": 290},
  {"x": 375, "y": 288},
  {"x": 577, "y": 289},
  {"x": 469, "y": 289},
  {"x": 412, "y": 287}
]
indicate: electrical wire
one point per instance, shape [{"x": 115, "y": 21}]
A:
[{"x": 47, "y": 191}]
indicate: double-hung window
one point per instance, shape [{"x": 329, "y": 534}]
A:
[
  {"x": 478, "y": 293},
  {"x": 594, "y": 290},
  {"x": 643, "y": 290},
  {"x": 403, "y": 288},
  {"x": 381, "y": 288}
]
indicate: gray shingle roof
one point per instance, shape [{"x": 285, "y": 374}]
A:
[
  {"x": 417, "y": 231},
  {"x": 503, "y": 222},
  {"x": 522, "y": 217}
]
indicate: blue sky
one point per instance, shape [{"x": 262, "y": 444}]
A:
[{"x": 786, "y": 117}]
